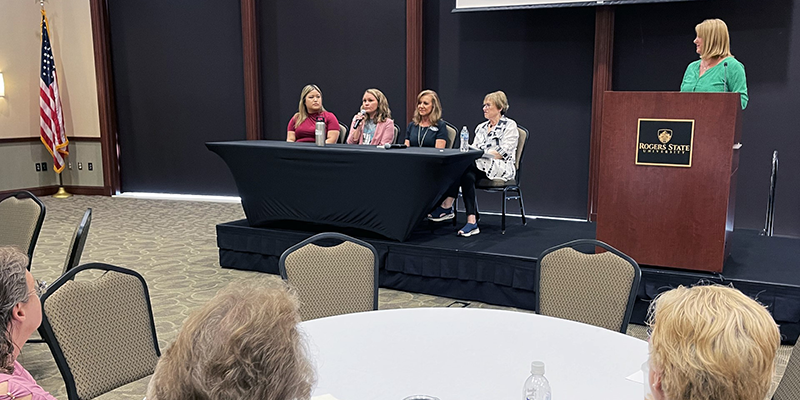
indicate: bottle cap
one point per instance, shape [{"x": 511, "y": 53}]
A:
[{"x": 537, "y": 368}]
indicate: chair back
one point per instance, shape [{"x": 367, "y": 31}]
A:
[
  {"x": 78, "y": 242},
  {"x": 596, "y": 289},
  {"x": 342, "y": 133},
  {"x": 21, "y": 218},
  {"x": 452, "y": 133},
  {"x": 523, "y": 140},
  {"x": 396, "y": 133},
  {"x": 789, "y": 386},
  {"x": 332, "y": 280},
  {"x": 100, "y": 330}
]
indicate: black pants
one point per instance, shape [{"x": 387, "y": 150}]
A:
[{"x": 467, "y": 184}]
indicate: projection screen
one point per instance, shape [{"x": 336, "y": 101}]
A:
[{"x": 489, "y": 5}]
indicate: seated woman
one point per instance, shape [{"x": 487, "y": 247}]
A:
[
  {"x": 712, "y": 343},
  {"x": 22, "y": 314},
  {"x": 426, "y": 128},
  {"x": 498, "y": 138},
  {"x": 374, "y": 125},
  {"x": 303, "y": 124},
  {"x": 244, "y": 344}
]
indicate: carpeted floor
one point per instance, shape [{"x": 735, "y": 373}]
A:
[{"x": 173, "y": 245}]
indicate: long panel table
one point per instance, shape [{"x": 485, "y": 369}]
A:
[
  {"x": 460, "y": 354},
  {"x": 364, "y": 187}
]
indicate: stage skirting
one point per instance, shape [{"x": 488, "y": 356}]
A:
[{"x": 499, "y": 269}]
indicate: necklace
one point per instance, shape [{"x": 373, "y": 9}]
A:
[{"x": 419, "y": 141}]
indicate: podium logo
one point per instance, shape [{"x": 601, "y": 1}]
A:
[
  {"x": 664, "y": 135},
  {"x": 664, "y": 142}
]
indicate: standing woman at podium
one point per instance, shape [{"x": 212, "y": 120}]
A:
[
  {"x": 302, "y": 125},
  {"x": 716, "y": 70}
]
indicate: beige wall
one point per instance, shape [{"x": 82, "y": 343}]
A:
[
  {"x": 20, "y": 53},
  {"x": 17, "y": 163}
]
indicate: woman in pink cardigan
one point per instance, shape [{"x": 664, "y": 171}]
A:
[{"x": 374, "y": 124}]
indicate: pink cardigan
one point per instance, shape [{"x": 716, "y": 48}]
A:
[{"x": 384, "y": 133}]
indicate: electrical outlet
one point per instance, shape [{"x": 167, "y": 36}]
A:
[
  {"x": 44, "y": 166},
  {"x": 89, "y": 165},
  {"x": 38, "y": 167},
  {"x": 80, "y": 166},
  {"x": 69, "y": 165}
]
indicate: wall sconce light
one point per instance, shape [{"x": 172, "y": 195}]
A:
[{"x": 2, "y": 86}]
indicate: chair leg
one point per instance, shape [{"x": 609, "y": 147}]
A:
[
  {"x": 503, "y": 208},
  {"x": 455, "y": 209},
  {"x": 521, "y": 206}
]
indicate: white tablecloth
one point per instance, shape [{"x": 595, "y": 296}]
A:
[{"x": 464, "y": 354}]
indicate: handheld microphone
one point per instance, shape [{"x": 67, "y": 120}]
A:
[
  {"x": 362, "y": 112},
  {"x": 388, "y": 146},
  {"x": 725, "y": 65}
]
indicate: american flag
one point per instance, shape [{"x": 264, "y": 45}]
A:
[{"x": 51, "y": 119}]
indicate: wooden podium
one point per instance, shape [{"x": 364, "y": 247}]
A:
[{"x": 669, "y": 216}]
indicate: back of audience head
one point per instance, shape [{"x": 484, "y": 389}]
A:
[
  {"x": 243, "y": 344},
  {"x": 428, "y": 107},
  {"x": 20, "y": 309},
  {"x": 710, "y": 342}
]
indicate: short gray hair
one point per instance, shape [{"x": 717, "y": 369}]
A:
[{"x": 13, "y": 290}]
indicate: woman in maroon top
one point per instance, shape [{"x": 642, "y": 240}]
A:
[{"x": 302, "y": 125}]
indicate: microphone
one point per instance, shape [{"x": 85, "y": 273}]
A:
[
  {"x": 362, "y": 112},
  {"x": 388, "y": 146},
  {"x": 725, "y": 65}
]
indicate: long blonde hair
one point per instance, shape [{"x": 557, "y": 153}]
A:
[
  {"x": 716, "y": 41},
  {"x": 436, "y": 112},
  {"x": 302, "y": 111},
  {"x": 383, "y": 112},
  {"x": 712, "y": 342},
  {"x": 243, "y": 344}
]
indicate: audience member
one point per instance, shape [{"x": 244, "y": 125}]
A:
[
  {"x": 710, "y": 343},
  {"x": 22, "y": 314},
  {"x": 244, "y": 344},
  {"x": 374, "y": 124},
  {"x": 498, "y": 138},
  {"x": 302, "y": 126},
  {"x": 426, "y": 128}
]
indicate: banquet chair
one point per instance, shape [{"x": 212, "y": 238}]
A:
[
  {"x": 452, "y": 133},
  {"x": 75, "y": 249},
  {"x": 596, "y": 289},
  {"x": 100, "y": 329},
  {"x": 21, "y": 218},
  {"x": 510, "y": 189},
  {"x": 396, "y": 134},
  {"x": 789, "y": 386},
  {"x": 342, "y": 133},
  {"x": 332, "y": 280}
]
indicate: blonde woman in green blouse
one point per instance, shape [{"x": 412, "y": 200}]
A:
[{"x": 716, "y": 70}]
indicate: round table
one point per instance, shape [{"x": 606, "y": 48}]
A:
[{"x": 465, "y": 354}]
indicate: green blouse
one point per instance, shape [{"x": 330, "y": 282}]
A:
[{"x": 714, "y": 80}]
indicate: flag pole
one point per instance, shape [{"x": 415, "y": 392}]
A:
[{"x": 61, "y": 193}]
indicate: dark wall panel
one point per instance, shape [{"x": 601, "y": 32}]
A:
[
  {"x": 543, "y": 60},
  {"x": 343, "y": 46},
  {"x": 653, "y": 46},
  {"x": 178, "y": 77}
]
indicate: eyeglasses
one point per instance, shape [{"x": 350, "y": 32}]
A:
[
  {"x": 486, "y": 105},
  {"x": 40, "y": 287}
]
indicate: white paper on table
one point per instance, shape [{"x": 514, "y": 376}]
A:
[
  {"x": 324, "y": 397},
  {"x": 637, "y": 377}
]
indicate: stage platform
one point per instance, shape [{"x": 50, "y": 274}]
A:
[{"x": 499, "y": 269}]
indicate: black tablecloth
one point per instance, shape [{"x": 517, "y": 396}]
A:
[{"x": 383, "y": 191}]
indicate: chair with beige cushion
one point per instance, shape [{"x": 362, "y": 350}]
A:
[
  {"x": 332, "y": 279},
  {"x": 789, "y": 386},
  {"x": 100, "y": 329},
  {"x": 596, "y": 289},
  {"x": 21, "y": 218},
  {"x": 75, "y": 249},
  {"x": 342, "y": 133},
  {"x": 396, "y": 134},
  {"x": 452, "y": 133}
]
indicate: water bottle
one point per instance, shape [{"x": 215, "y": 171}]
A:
[
  {"x": 464, "y": 139},
  {"x": 536, "y": 387},
  {"x": 319, "y": 132}
]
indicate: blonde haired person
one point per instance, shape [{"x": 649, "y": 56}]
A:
[
  {"x": 426, "y": 128},
  {"x": 244, "y": 344},
  {"x": 710, "y": 343},
  {"x": 303, "y": 123},
  {"x": 374, "y": 125},
  {"x": 498, "y": 137},
  {"x": 21, "y": 312},
  {"x": 717, "y": 70}
]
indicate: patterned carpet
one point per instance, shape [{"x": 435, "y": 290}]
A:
[{"x": 173, "y": 245}]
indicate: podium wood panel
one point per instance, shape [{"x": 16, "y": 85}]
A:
[{"x": 669, "y": 216}]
